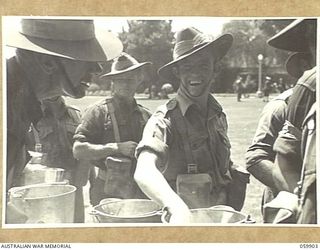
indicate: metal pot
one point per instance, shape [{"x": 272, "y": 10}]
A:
[
  {"x": 127, "y": 211},
  {"x": 45, "y": 203},
  {"x": 38, "y": 173},
  {"x": 216, "y": 214}
]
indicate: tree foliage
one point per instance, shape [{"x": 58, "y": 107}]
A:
[
  {"x": 149, "y": 40},
  {"x": 250, "y": 40}
]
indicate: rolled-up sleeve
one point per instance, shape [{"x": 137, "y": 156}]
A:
[
  {"x": 156, "y": 137},
  {"x": 270, "y": 123},
  {"x": 92, "y": 126}
]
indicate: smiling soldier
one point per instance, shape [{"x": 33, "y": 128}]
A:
[{"x": 184, "y": 156}]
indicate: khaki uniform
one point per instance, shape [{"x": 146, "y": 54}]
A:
[
  {"x": 55, "y": 131},
  {"x": 308, "y": 198},
  {"x": 208, "y": 140},
  {"x": 96, "y": 127}
]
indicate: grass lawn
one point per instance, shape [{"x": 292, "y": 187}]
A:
[{"x": 242, "y": 118}]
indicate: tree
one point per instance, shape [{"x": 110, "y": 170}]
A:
[
  {"x": 149, "y": 40},
  {"x": 250, "y": 40}
]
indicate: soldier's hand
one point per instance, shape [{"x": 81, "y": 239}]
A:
[
  {"x": 179, "y": 215},
  {"x": 127, "y": 148}
]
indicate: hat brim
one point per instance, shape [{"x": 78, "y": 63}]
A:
[
  {"x": 218, "y": 48},
  {"x": 291, "y": 38},
  {"x": 104, "y": 47},
  {"x": 119, "y": 72},
  {"x": 293, "y": 64}
]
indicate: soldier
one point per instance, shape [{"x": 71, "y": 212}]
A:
[
  {"x": 260, "y": 155},
  {"x": 266, "y": 89},
  {"x": 110, "y": 130},
  {"x": 54, "y": 134},
  {"x": 53, "y": 58},
  {"x": 290, "y": 163},
  {"x": 184, "y": 155},
  {"x": 238, "y": 87}
]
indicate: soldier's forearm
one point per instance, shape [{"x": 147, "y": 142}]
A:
[
  {"x": 88, "y": 151},
  {"x": 267, "y": 173},
  {"x": 154, "y": 185}
]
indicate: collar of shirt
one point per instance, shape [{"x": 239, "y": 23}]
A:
[
  {"x": 123, "y": 105},
  {"x": 185, "y": 103}
]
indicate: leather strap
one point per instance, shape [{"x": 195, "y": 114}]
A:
[{"x": 111, "y": 111}]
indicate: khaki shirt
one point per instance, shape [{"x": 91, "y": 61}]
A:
[
  {"x": 302, "y": 98},
  {"x": 96, "y": 126},
  {"x": 207, "y": 137},
  {"x": 56, "y": 137},
  {"x": 271, "y": 121}
]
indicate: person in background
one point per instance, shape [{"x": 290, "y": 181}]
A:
[
  {"x": 267, "y": 88},
  {"x": 281, "y": 86},
  {"x": 184, "y": 155},
  {"x": 110, "y": 131},
  {"x": 238, "y": 87},
  {"x": 53, "y": 58}
]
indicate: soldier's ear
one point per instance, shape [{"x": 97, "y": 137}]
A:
[{"x": 47, "y": 63}]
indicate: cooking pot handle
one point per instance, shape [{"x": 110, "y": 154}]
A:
[
  {"x": 165, "y": 215},
  {"x": 95, "y": 214},
  {"x": 248, "y": 220},
  {"x": 15, "y": 194},
  {"x": 159, "y": 212}
]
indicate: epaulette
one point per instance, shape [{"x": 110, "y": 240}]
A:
[
  {"x": 171, "y": 104},
  {"x": 168, "y": 106}
]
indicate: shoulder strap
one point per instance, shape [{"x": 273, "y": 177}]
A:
[
  {"x": 182, "y": 129},
  {"x": 111, "y": 111}
]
